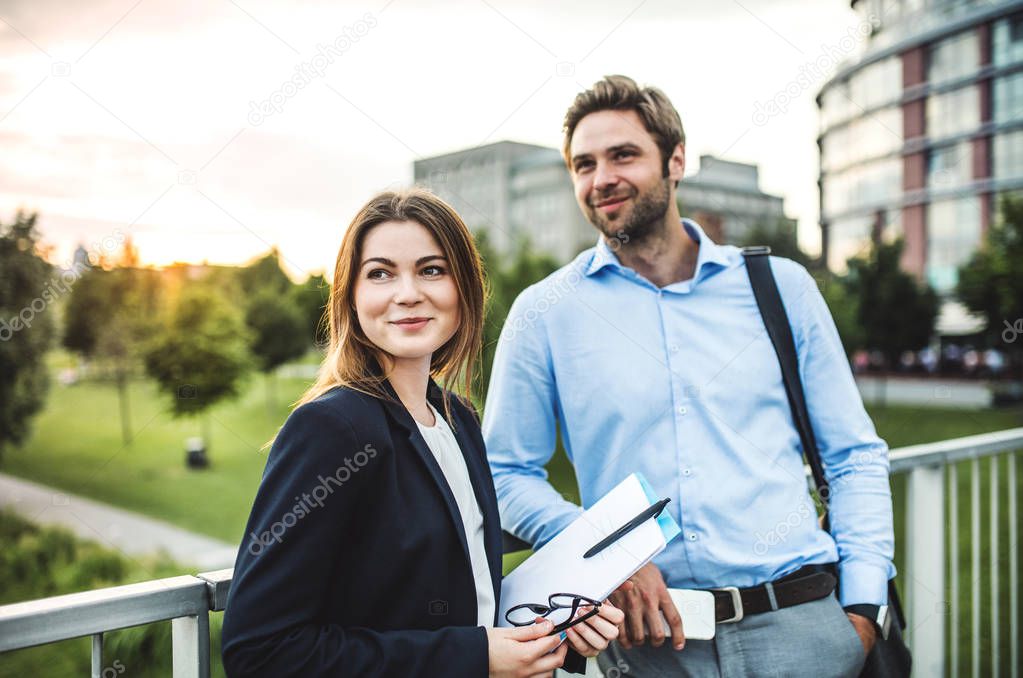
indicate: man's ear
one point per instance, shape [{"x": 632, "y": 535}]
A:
[{"x": 677, "y": 163}]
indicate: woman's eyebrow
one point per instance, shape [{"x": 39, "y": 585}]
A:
[{"x": 419, "y": 262}]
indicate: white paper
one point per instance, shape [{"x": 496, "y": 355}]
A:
[{"x": 559, "y": 566}]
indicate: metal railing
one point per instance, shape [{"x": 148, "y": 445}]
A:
[
  {"x": 932, "y": 603},
  {"x": 185, "y": 601}
]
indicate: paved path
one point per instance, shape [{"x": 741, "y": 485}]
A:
[
  {"x": 131, "y": 533},
  {"x": 925, "y": 392}
]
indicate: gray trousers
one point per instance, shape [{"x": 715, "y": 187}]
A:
[{"x": 814, "y": 639}]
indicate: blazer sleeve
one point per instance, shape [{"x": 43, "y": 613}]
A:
[{"x": 293, "y": 545}]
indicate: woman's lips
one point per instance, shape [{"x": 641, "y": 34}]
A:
[{"x": 412, "y": 325}]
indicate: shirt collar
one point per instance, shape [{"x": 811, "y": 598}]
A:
[{"x": 710, "y": 252}]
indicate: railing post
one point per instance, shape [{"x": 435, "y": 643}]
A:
[
  {"x": 925, "y": 539},
  {"x": 97, "y": 655},
  {"x": 191, "y": 646}
]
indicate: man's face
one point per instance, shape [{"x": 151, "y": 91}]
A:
[{"x": 618, "y": 174}]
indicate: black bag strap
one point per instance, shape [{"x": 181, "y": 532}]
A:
[
  {"x": 772, "y": 310},
  {"x": 776, "y": 320}
]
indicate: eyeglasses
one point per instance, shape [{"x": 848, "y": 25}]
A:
[{"x": 526, "y": 613}]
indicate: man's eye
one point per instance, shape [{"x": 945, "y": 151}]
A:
[{"x": 623, "y": 154}]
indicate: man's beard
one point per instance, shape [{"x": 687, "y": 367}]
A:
[{"x": 646, "y": 217}]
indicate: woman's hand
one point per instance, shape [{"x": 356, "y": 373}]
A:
[
  {"x": 591, "y": 637},
  {"x": 525, "y": 651}
]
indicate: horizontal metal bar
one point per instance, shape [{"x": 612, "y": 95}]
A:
[
  {"x": 218, "y": 584},
  {"x": 956, "y": 449},
  {"x": 49, "y": 620}
]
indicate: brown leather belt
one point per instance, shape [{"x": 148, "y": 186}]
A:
[{"x": 811, "y": 582}]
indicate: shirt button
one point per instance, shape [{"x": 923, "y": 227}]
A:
[
  {"x": 687, "y": 472},
  {"x": 674, "y": 348},
  {"x": 682, "y": 409},
  {"x": 692, "y": 537}
]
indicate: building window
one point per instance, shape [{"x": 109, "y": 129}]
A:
[
  {"x": 1007, "y": 40},
  {"x": 953, "y": 233},
  {"x": 877, "y": 84},
  {"x": 953, "y": 112},
  {"x": 953, "y": 58},
  {"x": 1008, "y": 95},
  {"x": 950, "y": 166},
  {"x": 835, "y": 105},
  {"x": 873, "y": 184},
  {"x": 865, "y": 138},
  {"x": 1007, "y": 152},
  {"x": 848, "y": 238}
]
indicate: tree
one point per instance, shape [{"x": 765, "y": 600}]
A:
[
  {"x": 782, "y": 240},
  {"x": 991, "y": 282},
  {"x": 200, "y": 355},
  {"x": 522, "y": 269},
  {"x": 27, "y": 288},
  {"x": 108, "y": 319},
  {"x": 311, "y": 300},
  {"x": 895, "y": 312},
  {"x": 277, "y": 334},
  {"x": 264, "y": 273},
  {"x": 845, "y": 310}
]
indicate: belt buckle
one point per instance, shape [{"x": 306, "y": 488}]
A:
[{"x": 736, "y": 604}]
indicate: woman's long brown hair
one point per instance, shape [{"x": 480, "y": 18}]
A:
[{"x": 350, "y": 354}]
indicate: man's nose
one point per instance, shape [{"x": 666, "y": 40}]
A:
[{"x": 604, "y": 177}]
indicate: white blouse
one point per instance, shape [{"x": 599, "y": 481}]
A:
[{"x": 441, "y": 441}]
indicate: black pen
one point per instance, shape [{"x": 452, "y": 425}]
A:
[{"x": 647, "y": 513}]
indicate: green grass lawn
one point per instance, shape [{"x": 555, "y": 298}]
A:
[{"x": 76, "y": 446}]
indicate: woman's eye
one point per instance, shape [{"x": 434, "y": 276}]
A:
[
  {"x": 433, "y": 271},
  {"x": 378, "y": 274}
]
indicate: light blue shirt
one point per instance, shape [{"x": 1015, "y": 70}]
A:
[{"x": 682, "y": 383}]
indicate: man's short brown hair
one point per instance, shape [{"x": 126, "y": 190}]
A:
[{"x": 621, "y": 93}]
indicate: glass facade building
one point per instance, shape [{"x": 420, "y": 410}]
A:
[{"x": 921, "y": 132}]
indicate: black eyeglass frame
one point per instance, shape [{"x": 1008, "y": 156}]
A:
[{"x": 544, "y": 610}]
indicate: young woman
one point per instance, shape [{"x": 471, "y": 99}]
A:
[{"x": 374, "y": 544}]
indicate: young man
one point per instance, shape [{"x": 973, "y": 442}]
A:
[{"x": 649, "y": 354}]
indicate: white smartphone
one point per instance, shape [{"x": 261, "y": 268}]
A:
[{"x": 697, "y": 611}]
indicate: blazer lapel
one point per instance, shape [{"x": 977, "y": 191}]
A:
[
  {"x": 401, "y": 416},
  {"x": 482, "y": 486}
]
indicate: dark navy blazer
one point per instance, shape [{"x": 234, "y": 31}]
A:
[{"x": 354, "y": 561}]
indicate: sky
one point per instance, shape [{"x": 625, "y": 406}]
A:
[{"x": 177, "y": 122}]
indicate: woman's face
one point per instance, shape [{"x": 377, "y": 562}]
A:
[{"x": 405, "y": 295}]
